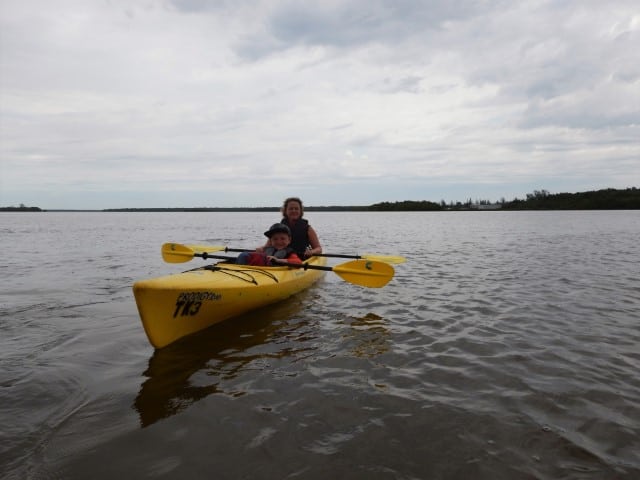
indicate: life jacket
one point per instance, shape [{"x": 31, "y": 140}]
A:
[
  {"x": 282, "y": 253},
  {"x": 260, "y": 258},
  {"x": 299, "y": 235}
]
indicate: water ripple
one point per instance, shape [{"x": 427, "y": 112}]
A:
[{"x": 505, "y": 348}]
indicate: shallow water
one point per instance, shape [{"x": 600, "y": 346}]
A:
[{"x": 506, "y": 347}]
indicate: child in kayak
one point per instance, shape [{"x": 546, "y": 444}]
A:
[
  {"x": 304, "y": 239},
  {"x": 278, "y": 252}
]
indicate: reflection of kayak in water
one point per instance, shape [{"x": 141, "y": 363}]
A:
[
  {"x": 185, "y": 372},
  {"x": 174, "y": 306}
]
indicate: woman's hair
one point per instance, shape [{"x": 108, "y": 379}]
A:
[{"x": 286, "y": 202}]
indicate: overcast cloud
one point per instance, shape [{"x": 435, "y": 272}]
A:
[{"x": 184, "y": 103}]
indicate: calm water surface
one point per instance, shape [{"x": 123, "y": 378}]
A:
[{"x": 507, "y": 347}]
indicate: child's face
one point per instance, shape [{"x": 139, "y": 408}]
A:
[{"x": 280, "y": 240}]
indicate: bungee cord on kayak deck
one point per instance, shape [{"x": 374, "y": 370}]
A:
[{"x": 247, "y": 274}]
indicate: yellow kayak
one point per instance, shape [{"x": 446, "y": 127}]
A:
[{"x": 177, "y": 305}]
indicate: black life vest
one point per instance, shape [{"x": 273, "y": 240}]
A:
[{"x": 299, "y": 235}]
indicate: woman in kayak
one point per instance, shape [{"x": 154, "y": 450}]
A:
[
  {"x": 304, "y": 239},
  {"x": 278, "y": 251}
]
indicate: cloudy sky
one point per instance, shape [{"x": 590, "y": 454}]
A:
[{"x": 240, "y": 103}]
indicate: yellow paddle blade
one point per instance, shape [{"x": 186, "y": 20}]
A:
[
  {"x": 176, "y": 253},
  {"x": 384, "y": 258},
  {"x": 366, "y": 273}
]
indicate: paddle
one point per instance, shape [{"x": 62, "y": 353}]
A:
[
  {"x": 395, "y": 259},
  {"x": 366, "y": 273}
]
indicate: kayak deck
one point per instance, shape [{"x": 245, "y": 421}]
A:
[{"x": 173, "y": 306}]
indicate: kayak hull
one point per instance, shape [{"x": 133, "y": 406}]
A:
[{"x": 174, "y": 306}]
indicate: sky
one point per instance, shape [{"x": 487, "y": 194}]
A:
[{"x": 241, "y": 103}]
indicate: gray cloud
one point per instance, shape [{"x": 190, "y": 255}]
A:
[
  {"x": 356, "y": 24},
  {"x": 437, "y": 99}
]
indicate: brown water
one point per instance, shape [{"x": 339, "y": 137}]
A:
[{"x": 507, "y": 347}]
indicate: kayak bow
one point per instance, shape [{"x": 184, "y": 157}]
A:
[{"x": 174, "y": 306}]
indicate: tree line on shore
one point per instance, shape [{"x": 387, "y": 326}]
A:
[
  {"x": 21, "y": 208},
  {"x": 606, "y": 199}
]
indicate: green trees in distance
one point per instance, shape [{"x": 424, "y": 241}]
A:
[
  {"x": 406, "y": 206},
  {"x": 607, "y": 199},
  {"x": 21, "y": 208}
]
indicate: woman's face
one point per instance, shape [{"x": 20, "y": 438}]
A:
[{"x": 293, "y": 210}]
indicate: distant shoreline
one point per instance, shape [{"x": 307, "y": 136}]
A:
[{"x": 606, "y": 199}]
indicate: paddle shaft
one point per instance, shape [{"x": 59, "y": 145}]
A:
[
  {"x": 304, "y": 266},
  {"x": 357, "y": 257},
  {"x": 382, "y": 258}
]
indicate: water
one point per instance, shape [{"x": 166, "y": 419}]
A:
[{"x": 507, "y": 347}]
